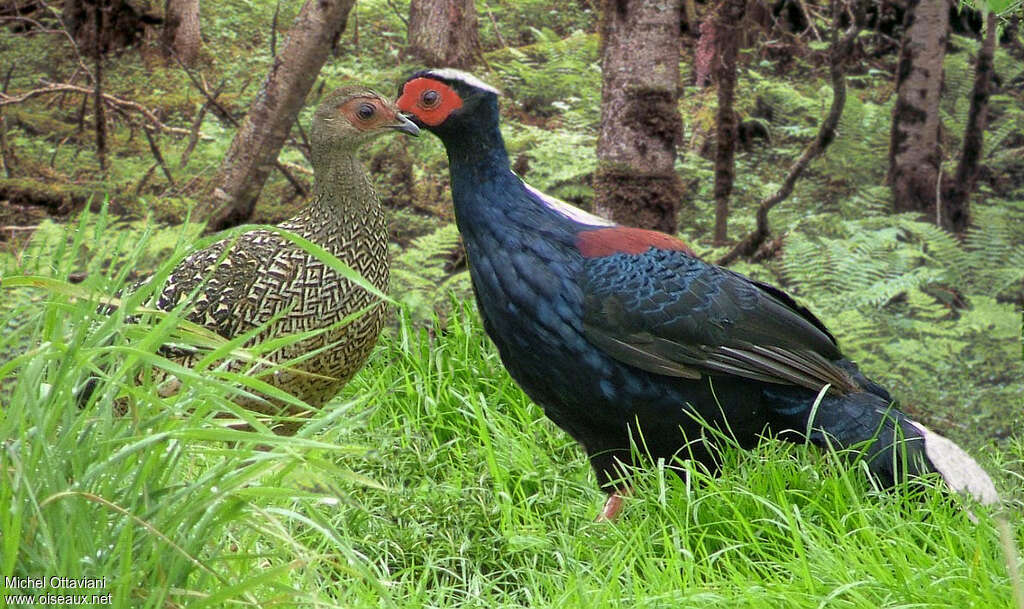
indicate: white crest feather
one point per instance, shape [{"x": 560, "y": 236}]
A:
[{"x": 466, "y": 77}]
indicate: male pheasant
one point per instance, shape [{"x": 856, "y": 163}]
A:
[
  {"x": 623, "y": 335},
  {"x": 265, "y": 277}
]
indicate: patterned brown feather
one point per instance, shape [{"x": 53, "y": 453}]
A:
[{"x": 263, "y": 275}]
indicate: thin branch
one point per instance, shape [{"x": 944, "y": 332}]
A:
[
  {"x": 296, "y": 184},
  {"x": 5, "y": 152},
  {"x": 212, "y": 99},
  {"x": 840, "y": 51},
  {"x": 42, "y": 29},
  {"x": 494, "y": 24},
  {"x": 809, "y": 17},
  {"x": 193, "y": 137},
  {"x": 294, "y": 167},
  {"x": 305, "y": 148},
  {"x": 398, "y": 12},
  {"x": 156, "y": 154},
  {"x": 273, "y": 30},
  {"x": 98, "y": 115},
  {"x": 116, "y": 102},
  {"x": 144, "y": 179},
  {"x": 7, "y": 77},
  {"x": 56, "y": 149}
]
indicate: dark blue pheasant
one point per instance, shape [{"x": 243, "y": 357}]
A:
[{"x": 622, "y": 334}]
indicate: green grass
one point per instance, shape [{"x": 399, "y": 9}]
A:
[{"x": 431, "y": 481}]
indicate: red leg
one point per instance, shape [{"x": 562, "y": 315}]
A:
[{"x": 612, "y": 506}]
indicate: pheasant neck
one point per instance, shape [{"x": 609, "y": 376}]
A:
[{"x": 344, "y": 200}]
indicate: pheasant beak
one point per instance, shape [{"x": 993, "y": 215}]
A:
[{"x": 405, "y": 125}]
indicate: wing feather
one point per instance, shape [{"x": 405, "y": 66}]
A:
[{"x": 670, "y": 313}]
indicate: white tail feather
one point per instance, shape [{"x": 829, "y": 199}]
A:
[{"x": 958, "y": 469}]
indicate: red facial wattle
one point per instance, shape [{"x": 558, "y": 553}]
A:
[{"x": 415, "y": 101}]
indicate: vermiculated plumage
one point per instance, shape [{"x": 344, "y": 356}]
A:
[
  {"x": 263, "y": 275},
  {"x": 624, "y": 337}
]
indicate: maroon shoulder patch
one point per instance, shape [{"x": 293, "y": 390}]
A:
[{"x": 625, "y": 240}]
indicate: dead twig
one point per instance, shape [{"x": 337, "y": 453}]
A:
[
  {"x": 212, "y": 99},
  {"x": 144, "y": 179},
  {"x": 294, "y": 167},
  {"x": 305, "y": 147},
  {"x": 193, "y": 137},
  {"x": 838, "y": 54},
  {"x": 809, "y": 17},
  {"x": 400, "y": 14},
  {"x": 116, "y": 102},
  {"x": 5, "y": 151},
  {"x": 273, "y": 30},
  {"x": 42, "y": 29},
  {"x": 156, "y": 154},
  {"x": 56, "y": 149},
  {"x": 494, "y": 24},
  {"x": 100, "y": 117}
]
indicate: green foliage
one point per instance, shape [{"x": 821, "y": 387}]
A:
[
  {"x": 165, "y": 491},
  {"x": 518, "y": 22},
  {"x": 795, "y": 112},
  {"x": 469, "y": 498},
  {"x": 917, "y": 309},
  {"x": 560, "y": 161},
  {"x": 860, "y": 152},
  {"x": 554, "y": 76},
  {"x": 421, "y": 279}
]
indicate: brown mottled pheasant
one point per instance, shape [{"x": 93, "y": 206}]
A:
[{"x": 264, "y": 275}]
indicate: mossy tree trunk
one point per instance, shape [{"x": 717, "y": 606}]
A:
[
  {"x": 253, "y": 152},
  {"x": 727, "y": 31},
  {"x": 914, "y": 154},
  {"x": 180, "y": 35},
  {"x": 635, "y": 183},
  {"x": 955, "y": 208},
  {"x": 443, "y": 33}
]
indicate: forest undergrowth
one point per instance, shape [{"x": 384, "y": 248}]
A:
[{"x": 432, "y": 480}]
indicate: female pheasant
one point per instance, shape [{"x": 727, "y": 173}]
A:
[
  {"x": 623, "y": 336},
  {"x": 263, "y": 277}
]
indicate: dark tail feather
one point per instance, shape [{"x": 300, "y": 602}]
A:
[{"x": 894, "y": 446}]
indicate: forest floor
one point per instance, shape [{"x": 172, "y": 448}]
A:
[{"x": 433, "y": 481}]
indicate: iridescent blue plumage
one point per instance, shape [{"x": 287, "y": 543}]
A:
[{"x": 622, "y": 334}]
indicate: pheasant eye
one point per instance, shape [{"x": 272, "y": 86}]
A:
[
  {"x": 430, "y": 98},
  {"x": 365, "y": 112}
]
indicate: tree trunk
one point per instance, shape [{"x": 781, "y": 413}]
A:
[
  {"x": 704, "y": 54},
  {"x": 100, "y": 16},
  {"x": 124, "y": 22},
  {"x": 253, "y": 152},
  {"x": 181, "y": 30},
  {"x": 955, "y": 211},
  {"x": 635, "y": 183},
  {"x": 914, "y": 154},
  {"x": 690, "y": 15},
  {"x": 727, "y": 30},
  {"x": 442, "y": 33}
]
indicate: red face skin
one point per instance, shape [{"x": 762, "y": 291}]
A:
[{"x": 429, "y": 100}]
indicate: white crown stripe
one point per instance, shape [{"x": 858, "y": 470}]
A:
[{"x": 466, "y": 77}]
